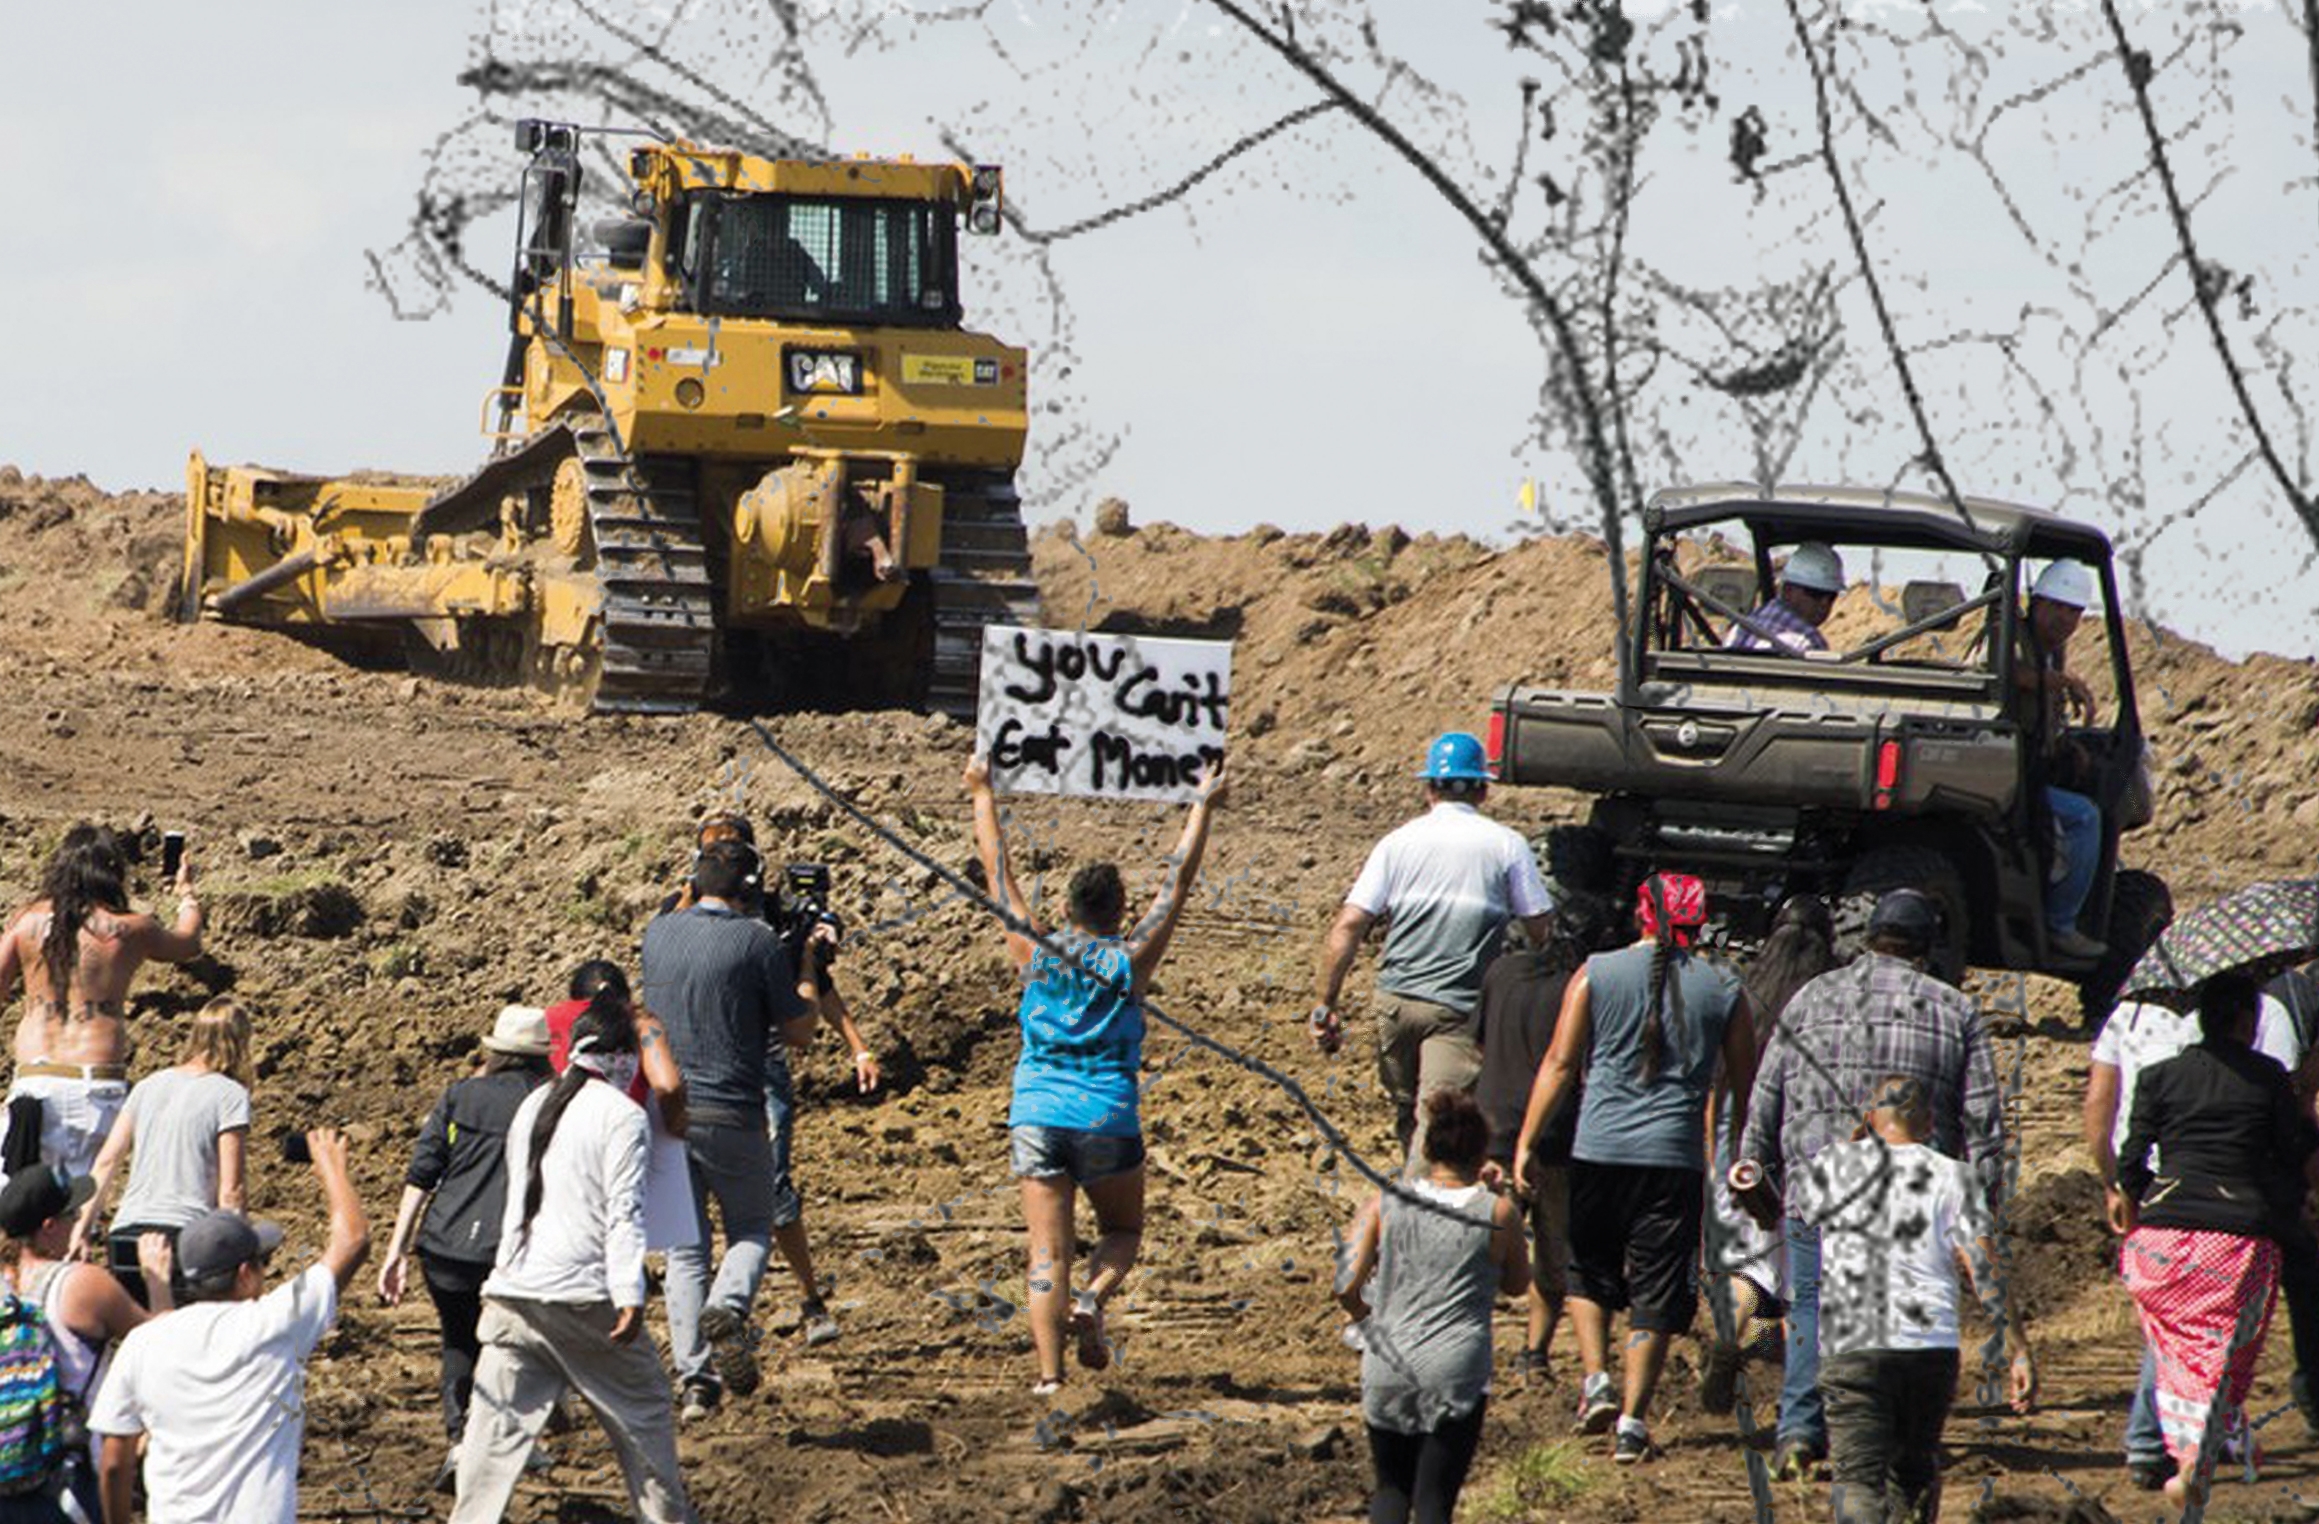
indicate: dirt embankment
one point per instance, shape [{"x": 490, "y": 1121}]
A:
[{"x": 387, "y": 861}]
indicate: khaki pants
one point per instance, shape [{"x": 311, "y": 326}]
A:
[
  {"x": 1421, "y": 1048},
  {"x": 532, "y": 1353}
]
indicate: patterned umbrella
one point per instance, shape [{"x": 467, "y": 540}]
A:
[{"x": 2260, "y": 931}]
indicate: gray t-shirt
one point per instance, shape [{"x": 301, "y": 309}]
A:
[
  {"x": 1622, "y": 1118},
  {"x": 173, "y": 1165}
]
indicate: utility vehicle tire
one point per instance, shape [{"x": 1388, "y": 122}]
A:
[
  {"x": 1888, "y": 868},
  {"x": 2141, "y": 906}
]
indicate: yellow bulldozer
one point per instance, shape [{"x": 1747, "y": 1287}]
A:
[{"x": 746, "y": 452}]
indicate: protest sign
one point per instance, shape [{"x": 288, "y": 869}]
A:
[{"x": 1101, "y": 716}]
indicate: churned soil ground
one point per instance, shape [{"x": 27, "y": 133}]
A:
[{"x": 387, "y": 861}]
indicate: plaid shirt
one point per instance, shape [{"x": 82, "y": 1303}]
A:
[
  {"x": 1792, "y": 631},
  {"x": 1849, "y": 1029}
]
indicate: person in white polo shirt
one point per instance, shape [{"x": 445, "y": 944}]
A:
[
  {"x": 218, "y": 1387},
  {"x": 564, "y": 1307},
  {"x": 1445, "y": 884}
]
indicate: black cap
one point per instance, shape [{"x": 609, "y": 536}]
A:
[
  {"x": 37, "y": 1193},
  {"x": 1906, "y": 915},
  {"x": 220, "y": 1241}
]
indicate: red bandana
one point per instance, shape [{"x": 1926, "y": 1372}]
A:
[{"x": 1682, "y": 900}]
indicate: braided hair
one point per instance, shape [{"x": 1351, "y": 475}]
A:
[
  {"x": 1663, "y": 1005},
  {"x": 606, "y": 1026}
]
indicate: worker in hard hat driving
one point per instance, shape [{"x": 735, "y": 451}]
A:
[
  {"x": 1791, "y": 621},
  {"x": 2057, "y": 603}
]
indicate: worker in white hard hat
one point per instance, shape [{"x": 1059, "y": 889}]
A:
[
  {"x": 2057, "y": 604},
  {"x": 1791, "y": 621}
]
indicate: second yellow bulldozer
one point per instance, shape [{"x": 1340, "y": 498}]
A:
[{"x": 747, "y": 452}]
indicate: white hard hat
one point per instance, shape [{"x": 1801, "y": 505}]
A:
[
  {"x": 1814, "y": 566},
  {"x": 2065, "y": 582}
]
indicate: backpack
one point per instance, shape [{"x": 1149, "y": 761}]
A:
[{"x": 38, "y": 1424}]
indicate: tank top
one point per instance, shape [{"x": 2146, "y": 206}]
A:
[
  {"x": 1426, "y": 1343},
  {"x": 77, "y": 1358}
]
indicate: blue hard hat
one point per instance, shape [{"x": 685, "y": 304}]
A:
[{"x": 1456, "y": 757}]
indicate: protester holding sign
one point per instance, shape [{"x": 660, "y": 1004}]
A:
[{"x": 1074, "y": 1121}]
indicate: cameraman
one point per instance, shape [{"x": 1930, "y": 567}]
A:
[{"x": 799, "y": 911}]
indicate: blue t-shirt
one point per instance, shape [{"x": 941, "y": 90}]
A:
[{"x": 1082, "y": 1041}]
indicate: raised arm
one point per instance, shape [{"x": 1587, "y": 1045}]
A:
[
  {"x": 349, "y": 1242},
  {"x": 180, "y": 942},
  {"x": 990, "y": 843},
  {"x": 1148, "y": 943}
]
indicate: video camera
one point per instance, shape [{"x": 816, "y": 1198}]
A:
[{"x": 800, "y": 902}]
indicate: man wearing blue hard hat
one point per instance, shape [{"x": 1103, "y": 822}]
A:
[{"x": 1445, "y": 884}]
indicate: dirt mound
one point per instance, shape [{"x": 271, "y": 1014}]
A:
[{"x": 388, "y": 861}]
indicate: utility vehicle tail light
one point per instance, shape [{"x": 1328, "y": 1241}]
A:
[
  {"x": 1494, "y": 742},
  {"x": 1887, "y": 773}
]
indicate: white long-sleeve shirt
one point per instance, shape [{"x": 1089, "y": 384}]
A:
[{"x": 587, "y": 1243}]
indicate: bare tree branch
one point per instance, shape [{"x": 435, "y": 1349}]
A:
[
  {"x": 1181, "y": 188},
  {"x": 1932, "y": 458},
  {"x": 1596, "y": 458},
  {"x": 2138, "y": 72}
]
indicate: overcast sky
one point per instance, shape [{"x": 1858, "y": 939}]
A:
[{"x": 1308, "y": 339}]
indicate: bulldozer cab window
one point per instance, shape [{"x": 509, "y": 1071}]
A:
[{"x": 835, "y": 259}]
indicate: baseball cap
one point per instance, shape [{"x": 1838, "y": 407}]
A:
[
  {"x": 37, "y": 1193},
  {"x": 219, "y": 1242},
  {"x": 1907, "y": 914}
]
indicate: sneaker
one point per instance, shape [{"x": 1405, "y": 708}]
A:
[
  {"x": 2073, "y": 943},
  {"x": 541, "y": 1461},
  {"x": 2150, "y": 1473},
  {"x": 1719, "y": 1378},
  {"x": 1796, "y": 1460},
  {"x": 700, "y": 1400},
  {"x": 820, "y": 1328},
  {"x": 1597, "y": 1408},
  {"x": 1534, "y": 1369},
  {"x": 733, "y": 1345},
  {"x": 1633, "y": 1443},
  {"x": 1087, "y": 1329},
  {"x": 447, "y": 1474}
]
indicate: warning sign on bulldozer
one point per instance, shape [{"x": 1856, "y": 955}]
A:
[
  {"x": 1101, "y": 716},
  {"x": 949, "y": 370}
]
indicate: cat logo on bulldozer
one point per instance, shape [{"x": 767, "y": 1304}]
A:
[{"x": 825, "y": 370}]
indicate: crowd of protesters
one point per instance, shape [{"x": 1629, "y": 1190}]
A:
[{"x": 1604, "y": 1117}]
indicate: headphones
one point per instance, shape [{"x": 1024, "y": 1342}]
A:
[{"x": 740, "y": 835}]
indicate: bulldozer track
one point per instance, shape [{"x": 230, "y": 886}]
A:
[
  {"x": 659, "y": 623},
  {"x": 984, "y": 579}
]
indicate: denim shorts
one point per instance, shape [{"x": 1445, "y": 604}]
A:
[{"x": 1040, "y": 1152}]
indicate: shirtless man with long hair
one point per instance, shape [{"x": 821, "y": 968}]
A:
[{"x": 76, "y": 949}]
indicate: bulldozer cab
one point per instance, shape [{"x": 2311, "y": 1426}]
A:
[{"x": 809, "y": 259}]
